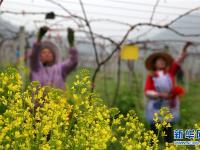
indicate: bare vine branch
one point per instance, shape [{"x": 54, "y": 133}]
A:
[
  {"x": 69, "y": 13},
  {"x": 117, "y": 45},
  {"x": 183, "y": 15},
  {"x": 90, "y": 30},
  {"x": 116, "y": 94},
  {"x": 110, "y": 20},
  {"x": 154, "y": 10},
  {"x": 32, "y": 13}
]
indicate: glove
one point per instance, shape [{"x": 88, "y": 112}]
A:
[
  {"x": 186, "y": 46},
  {"x": 42, "y": 31},
  {"x": 70, "y": 37}
]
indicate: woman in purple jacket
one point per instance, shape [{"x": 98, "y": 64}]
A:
[{"x": 44, "y": 63}]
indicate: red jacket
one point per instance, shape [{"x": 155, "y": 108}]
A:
[{"x": 149, "y": 86}]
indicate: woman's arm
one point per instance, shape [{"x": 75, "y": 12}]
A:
[
  {"x": 179, "y": 60},
  {"x": 70, "y": 63},
  {"x": 150, "y": 90},
  {"x": 34, "y": 58},
  {"x": 183, "y": 54}
]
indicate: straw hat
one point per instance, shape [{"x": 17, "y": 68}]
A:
[
  {"x": 53, "y": 48},
  {"x": 150, "y": 61}
]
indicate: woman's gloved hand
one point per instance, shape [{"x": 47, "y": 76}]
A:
[
  {"x": 42, "y": 31},
  {"x": 187, "y": 44},
  {"x": 70, "y": 37}
]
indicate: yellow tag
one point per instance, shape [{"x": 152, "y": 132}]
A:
[{"x": 129, "y": 52}]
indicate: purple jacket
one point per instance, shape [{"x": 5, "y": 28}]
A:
[{"x": 55, "y": 74}]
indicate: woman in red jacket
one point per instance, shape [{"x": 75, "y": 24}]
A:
[{"x": 160, "y": 87}]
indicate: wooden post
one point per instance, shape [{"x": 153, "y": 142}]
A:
[
  {"x": 144, "y": 73},
  {"x": 22, "y": 41},
  {"x": 187, "y": 76},
  {"x": 22, "y": 45}
]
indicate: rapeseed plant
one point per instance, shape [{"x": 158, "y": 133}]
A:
[{"x": 47, "y": 118}]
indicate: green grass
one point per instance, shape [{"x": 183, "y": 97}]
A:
[
  {"x": 190, "y": 106},
  {"x": 131, "y": 97}
]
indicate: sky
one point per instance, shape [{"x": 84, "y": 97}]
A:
[{"x": 128, "y": 11}]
